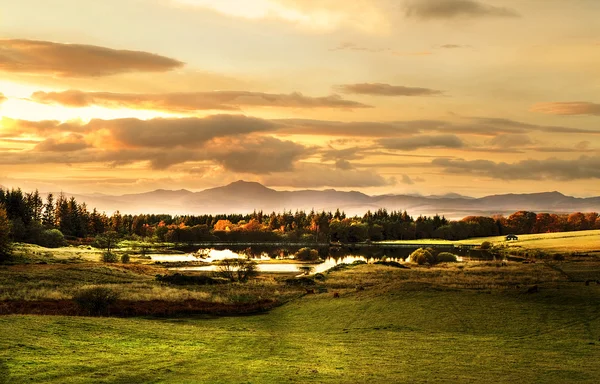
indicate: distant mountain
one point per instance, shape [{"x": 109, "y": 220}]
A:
[{"x": 242, "y": 196}]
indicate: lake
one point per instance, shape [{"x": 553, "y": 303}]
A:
[{"x": 267, "y": 256}]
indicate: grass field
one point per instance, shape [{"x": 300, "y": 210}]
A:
[
  {"x": 443, "y": 324},
  {"x": 469, "y": 322},
  {"x": 580, "y": 241}
]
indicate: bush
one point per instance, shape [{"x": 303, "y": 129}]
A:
[
  {"x": 485, "y": 245},
  {"x": 307, "y": 254},
  {"x": 109, "y": 257},
  {"x": 180, "y": 279},
  {"x": 446, "y": 257},
  {"x": 52, "y": 238},
  {"x": 95, "y": 301},
  {"x": 422, "y": 256},
  {"x": 558, "y": 257},
  {"x": 394, "y": 264},
  {"x": 125, "y": 258},
  {"x": 237, "y": 269}
]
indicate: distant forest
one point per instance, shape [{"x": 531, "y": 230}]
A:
[{"x": 27, "y": 217}]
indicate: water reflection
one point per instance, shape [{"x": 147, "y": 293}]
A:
[{"x": 266, "y": 256}]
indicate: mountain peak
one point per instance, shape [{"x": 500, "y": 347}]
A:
[{"x": 242, "y": 186}]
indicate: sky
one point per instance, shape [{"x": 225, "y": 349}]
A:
[{"x": 475, "y": 97}]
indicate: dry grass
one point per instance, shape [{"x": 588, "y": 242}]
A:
[{"x": 471, "y": 275}]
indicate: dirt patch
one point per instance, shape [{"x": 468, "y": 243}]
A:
[{"x": 130, "y": 308}]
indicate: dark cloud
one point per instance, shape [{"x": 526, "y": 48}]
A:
[
  {"x": 343, "y": 164},
  {"x": 568, "y": 108},
  {"x": 381, "y": 89},
  {"x": 407, "y": 180},
  {"x": 229, "y": 140},
  {"x": 549, "y": 169},
  {"x": 72, "y": 142},
  {"x": 422, "y": 141},
  {"x": 259, "y": 156},
  {"x": 192, "y": 101},
  {"x": 77, "y": 60},
  {"x": 339, "y": 128},
  {"x": 167, "y": 133},
  {"x": 178, "y": 132},
  {"x": 451, "y": 9}
]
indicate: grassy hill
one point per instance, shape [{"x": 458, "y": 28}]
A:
[{"x": 579, "y": 241}]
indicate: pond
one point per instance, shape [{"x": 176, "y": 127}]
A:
[{"x": 267, "y": 256}]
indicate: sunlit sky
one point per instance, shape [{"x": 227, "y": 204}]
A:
[{"x": 475, "y": 97}]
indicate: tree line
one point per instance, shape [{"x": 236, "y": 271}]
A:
[{"x": 27, "y": 217}]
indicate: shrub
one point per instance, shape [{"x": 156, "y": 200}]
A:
[
  {"x": 485, "y": 245},
  {"x": 422, "y": 256},
  {"x": 446, "y": 257},
  {"x": 359, "y": 262},
  {"x": 391, "y": 264},
  {"x": 237, "y": 269},
  {"x": 52, "y": 238},
  {"x": 306, "y": 269},
  {"x": 109, "y": 257},
  {"x": 180, "y": 279},
  {"x": 307, "y": 254},
  {"x": 299, "y": 281},
  {"x": 95, "y": 301},
  {"x": 558, "y": 257},
  {"x": 125, "y": 258}
]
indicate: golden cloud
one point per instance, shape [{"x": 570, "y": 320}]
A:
[
  {"x": 77, "y": 60},
  {"x": 381, "y": 89},
  {"x": 192, "y": 101},
  {"x": 567, "y": 108}
]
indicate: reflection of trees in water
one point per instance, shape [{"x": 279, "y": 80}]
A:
[{"x": 340, "y": 252}]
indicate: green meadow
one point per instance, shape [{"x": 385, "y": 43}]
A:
[{"x": 477, "y": 322}]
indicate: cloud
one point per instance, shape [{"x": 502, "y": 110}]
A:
[
  {"x": 343, "y": 165},
  {"x": 177, "y": 132},
  {"x": 422, "y": 141},
  {"x": 258, "y": 156},
  {"x": 70, "y": 143},
  {"x": 567, "y": 108},
  {"x": 381, "y": 89},
  {"x": 2, "y": 98},
  {"x": 549, "y": 169},
  {"x": 231, "y": 141},
  {"x": 407, "y": 180},
  {"x": 322, "y": 175},
  {"x": 350, "y": 46},
  {"x": 192, "y": 101},
  {"x": 510, "y": 140},
  {"x": 166, "y": 133},
  {"x": 453, "y": 46},
  {"x": 451, "y": 9},
  {"x": 340, "y": 128},
  {"x": 323, "y": 15},
  {"x": 77, "y": 60}
]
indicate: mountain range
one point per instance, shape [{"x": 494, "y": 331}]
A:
[{"x": 244, "y": 197}]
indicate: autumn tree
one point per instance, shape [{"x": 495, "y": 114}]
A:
[{"x": 5, "y": 243}]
